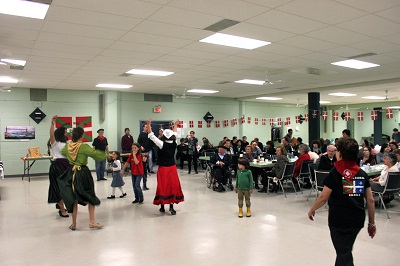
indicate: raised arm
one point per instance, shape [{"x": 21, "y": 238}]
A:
[{"x": 52, "y": 125}]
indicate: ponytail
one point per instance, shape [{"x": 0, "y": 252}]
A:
[{"x": 77, "y": 133}]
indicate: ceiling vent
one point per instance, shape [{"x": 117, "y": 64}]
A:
[
  {"x": 361, "y": 55},
  {"x": 224, "y": 82},
  {"x": 16, "y": 67},
  {"x": 125, "y": 75},
  {"x": 221, "y": 25}
]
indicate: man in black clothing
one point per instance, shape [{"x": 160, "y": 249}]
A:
[
  {"x": 146, "y": 146},
  {"x": 100, "y": 143},
  {"x": 289, "y": 135},
  {"x": 126, "y": 144},
  {"x": 327, "y": 160},
  {"x": 221, "y": 162}
]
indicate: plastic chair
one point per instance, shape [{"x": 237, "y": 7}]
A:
[
  {"x": 305, "y": 170},
  {"x": 319, "y": 178},
  {"x": 392, "y": 186},
  {"x": 286, "y": 177}
]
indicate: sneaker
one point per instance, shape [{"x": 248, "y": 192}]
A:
[
  {"x": 111, "y": 197},
  {"x": 135, "y": 201},
  {"x": 123, "y": 195}
]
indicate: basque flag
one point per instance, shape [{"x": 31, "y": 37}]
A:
[
  {"x": 389, "y": 113},
  {"x": 324, "y": 115},
  {"x": 360, "y": 116},
  {"x": 279, "y": 121},
  {"x": 264, "y": 121},
  {"x": 306, "y": 117},
  {"x": 374, "y": 115},
  {"x": 191, "y": 124},
  {"x": 335, "y": 116},
  {"x": 249, "y": 120},
  {"x": 199, "y": 124},
  {"x": 226, "y": 122},
  {"x": 256, "y": 121}
]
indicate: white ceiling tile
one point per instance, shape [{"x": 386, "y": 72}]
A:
[
  {"x": 286, "y": 22},
  {"x": 286, "y": 50},
  {"x": 21, "y": 23},
  {"x": 197, "y": 54},
  {"x": 269, "y": 3},
  {"x": 248, "y": 30},
  {"x": 370, "y": 6},
  {"x": 308, "y": 43},
  {"x": 119, "y": 60},
  {"x": 141, "y": 47},
  {"x": 391, "y": 13},
  {"x": 377, "y": 46},
  {"x": 181, "y": 59},
  {"x": 61, "y": 61},
  {"x": 70, "y": 48},
  {"x": 345, "y": 51},
  {"x": 325, "y": 11},
  {"x": 74, "y": 40},
  {"x": 22, "y": 34},
  {"x": 82, "y": 30},
  {"x": 337, "y": 35},
  {"x": 377, "y": 26},
  {"x": 140, "y": 37},
  {"x": 129, "y": 55},
  {"x": 60, "y": 54}
]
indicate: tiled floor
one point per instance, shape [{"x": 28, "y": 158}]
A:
[{"x": 205, "y": 231}]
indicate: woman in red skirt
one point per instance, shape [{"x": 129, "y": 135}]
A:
[{"x": 168, "y": 185}]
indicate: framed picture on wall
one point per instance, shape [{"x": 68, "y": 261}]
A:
[{"x": 19, "y": 132}]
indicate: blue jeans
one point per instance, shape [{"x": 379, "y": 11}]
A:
[
  {"x": 136, "y": 187},
  {"x": 100, "y": 169},
  {"x": 150, "y": 160}
]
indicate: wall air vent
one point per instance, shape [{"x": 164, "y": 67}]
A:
[
  {"x": 157, "y": 98},
  {"x": 221, "y": 25}
]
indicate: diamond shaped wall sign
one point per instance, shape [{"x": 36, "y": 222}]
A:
[
  {"x": 208, "y": 117},
  {"x": 37, "y": 115}
]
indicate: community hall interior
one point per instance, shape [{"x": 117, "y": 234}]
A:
[{"x": 83, "y": 59}]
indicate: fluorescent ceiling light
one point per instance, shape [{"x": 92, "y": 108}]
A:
[
  {"x": 114, "y": 86},
  {"x": 269, "y": 98},
  {"x": 14, "y": 61},
  {"x": 202, "y": 91},
  {"x": 394, "y": 107},
  {"x": 234, "y": 41},
  {"x": 250, "y": 81},
  {"x": 324, "y": 102},
  {"x": 23, "y": 8},
  {"x": 1, "y": 63},
  {"x": 374, "y": 97},
  {"x": 5, "y": 79},
  {"x": 353, "y": 63},
  {"x": 149, "y": 72},
  {"x": 342, "y": 94}
]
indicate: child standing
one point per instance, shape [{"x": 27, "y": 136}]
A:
[
  {"x": 117, "y": 179},
  {"x": 137, "y": 170},
  {"x": 244, "y": 186}
]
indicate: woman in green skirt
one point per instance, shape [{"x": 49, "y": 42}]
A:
[{"x": 76, "y": 184}]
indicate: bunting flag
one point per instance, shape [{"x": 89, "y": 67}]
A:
[
  {"x": 271, "y": 122},
  {"x": 199, "y": 124},
  {"x": 288, "y": 120},
  {"x": 286, "y": 123},
  {"x": 191, "y": 124},
  {"x": 297, "y": 117},
  {"x": 335, "y": 116},
  {"x": 217, "y": 124},
  {"x": 279, "y": 121},
  {"x": 208, "y": 124},
  {"x": 374, "y": 115},
  {"x": 306, "y": 117},
  {"x": 249, "y": 120},
  {"x": 242, "y": 120},
  {"x": 234, "y": 121},
  {"x": 360, "y": 116},
  {"x": 171, "y": 124},
  {"x": 389, "y": 113},
  {"x": 264, "y": 121},
  {"x": 226, "y": 123},
  {"x": 324, "y": 115},
  {"x": 180, "y": 124},
  {"x": 256, "y": 121},
  {"x": 314, "y": 114},
  {"x": 347, "y": 116},
  {"x": 71, "y": 122}
]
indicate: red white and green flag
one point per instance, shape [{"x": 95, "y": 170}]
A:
[{"x": 70, "y": 122}]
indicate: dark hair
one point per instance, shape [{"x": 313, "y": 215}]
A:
[
  {"x": 192, "y": 131},
  {"x": 346, "y": 131},
  {"x": 316, "y": 141},
  {"x": 127, "y": 128},
  {"x": 101, "y": 129},
  {"x": 241, "y": 142},
  {"x": 300, "y": 140},
  {"x": 77, "y": 133},
  {"x": 182, "y": 139},
  {"x": 395, "y": 129},
  {"x": 290, "y": 130},
  {"x": 118, "y": 155},
  {"x": 270, "y": 143},
  {"x": 394, "y": 143},
  {"x": 244, "y": 162},
  {"x": 348, "y": 148},
  {"x": 138, "y": 146},
  {"x": 383, "y": 147},
  {"x": 59, "y": 134}
]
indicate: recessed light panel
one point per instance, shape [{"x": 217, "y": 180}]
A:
[
  {"x": 23, "y": 8},
  {"x": 234, "y": 41},
  {"x": 14, "y": 61},
  {"x": 114, "y": 86},
  {"x": 251, "y": 81},
  {"x": 356, "y": 64},
  {"x": 324, "y": 102},
  {"x": 4, "y": 79},
  {"x": 374, "y": 98},
  {"x": 149, "y": 72},
  {"x": 202, "y": 91},
  {"x": 269, "y": 98},
  {"x": 342, "y": 94}
]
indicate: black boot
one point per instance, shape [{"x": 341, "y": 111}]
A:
[
  {"x": 144, "y": 186},
  {"x": 162, "y": 208},
  {"x": 171, "y": 209}
]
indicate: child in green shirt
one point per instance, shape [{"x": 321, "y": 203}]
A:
[{"x": 244, "y": 185}]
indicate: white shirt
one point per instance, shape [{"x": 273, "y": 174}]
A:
[
  {"x": 384, "y": 174},
  {"x": 56, "y": 148}
]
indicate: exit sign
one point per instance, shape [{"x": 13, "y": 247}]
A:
[{"x": 157, "y": 109}]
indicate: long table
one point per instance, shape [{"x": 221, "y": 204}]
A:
[{"x": 30, "y": 161}]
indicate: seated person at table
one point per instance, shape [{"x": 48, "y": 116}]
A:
[
  {"x": 206, "y": 146},
  {"x": 239, "y": 147},
  {"x": 378, "y": 183},
  {"x": 228, "y": 146},
  {"x": 367, "y": 157},
  {"x": 397, "y": 153},
  {"x": 182, "y": 152},
  {"x": 277, "y": 172},
  {"x": 249, "y": 155},
  {"x": 316, "y": 146},
  {"x": 221, "y": 162},
  {"x": 393, "y": 145},
  {"x": 287, "y": 145},
  {"x": 269, "y": 148},
  {"x": 295, "y": 147},
  {"x": 304, "y": 156},
  {"x": 379, "y": 156},
  {"x": 255, "y": 149},
  {"x": 327, "y": 160}
]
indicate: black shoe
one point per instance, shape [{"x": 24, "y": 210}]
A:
[
  {"x": 172, "y": 211},
  {"x": 263, "y": 190},
  {"x": 196, "y": 172},
  {"x": 135, "y": 201},
  {"x": 103, "y": 178},
  {"x": 151, "y": 172},
  {"x": 145, "y": 188},
  {"x": 220, "y": 188},
  {"x": 62, "y": 215},
  {"x": 256, "y": 187},
  {"x": 162, "y": 208},
  {"x": 111, "y": 197},
  {"x": 123, "y": 195},
  {"x": 141, "y": 201},
  {"x": 57, "y": 206},
  {"x": 189, "y": 172}
]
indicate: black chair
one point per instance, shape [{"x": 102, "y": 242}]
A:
[
  {"x": 392, "y": 186},
  {"x": 312, "y": 168},
  {"x": 286, "y": 177},
  {"x": 305, "y": 170},
  {"x": 319, "y": 178}
]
